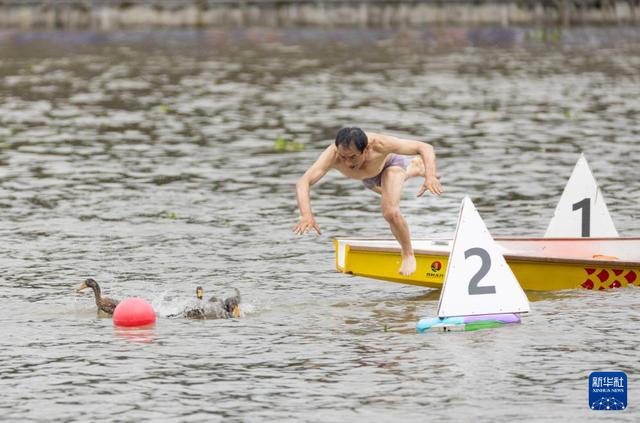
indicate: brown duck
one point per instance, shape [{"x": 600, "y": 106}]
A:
[{"x": 106, "y": 305}]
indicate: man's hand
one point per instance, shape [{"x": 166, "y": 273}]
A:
[
  {"x": 305, "y": 224},
  {"x": 431, "y": 184}
]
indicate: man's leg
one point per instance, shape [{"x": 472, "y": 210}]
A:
[
  {"x": 392, "y": 182},
  {"x": 415, "y": 168},
  {"x": 377, "y": 190}
]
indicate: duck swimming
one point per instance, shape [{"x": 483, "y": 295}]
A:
[
  {"x": 195, "y": 311},
  {"x": 106, "y": 305},
  {"x": 232, "y": 304},
  {"x": 224, "y": 309},
  {"x": 214, "y": 308}
]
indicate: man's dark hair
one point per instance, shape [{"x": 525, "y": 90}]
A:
[{"x": 348, "y": 136}]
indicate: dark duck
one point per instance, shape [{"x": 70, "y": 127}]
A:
[
  {"x": 232, "y": 304},
  {"x": 106, "y": 305}
]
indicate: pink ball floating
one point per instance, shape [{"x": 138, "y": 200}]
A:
[{"x": 133, "y": 312}]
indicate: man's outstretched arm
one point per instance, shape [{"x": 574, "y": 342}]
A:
[{"x": 303, "y": 188}]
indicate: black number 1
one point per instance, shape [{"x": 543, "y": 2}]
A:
[
  {"x": 474, "y": 289},
  {"x": 585, "y": 205}
]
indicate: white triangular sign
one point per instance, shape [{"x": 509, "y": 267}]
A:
[
  {"x": 581, "y": 211},
  {"x": 478, "y": 279}
]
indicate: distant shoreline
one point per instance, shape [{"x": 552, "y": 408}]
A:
[
  {"x": 108, "y": 15},
  {"x": 431, "y": 37}
]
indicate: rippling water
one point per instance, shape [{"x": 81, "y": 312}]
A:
[{"x": 151, "y": 165}]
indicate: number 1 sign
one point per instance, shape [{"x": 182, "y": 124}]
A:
[{"x": 581, "y": 211}]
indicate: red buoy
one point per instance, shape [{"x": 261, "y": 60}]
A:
[{"x": 133, "y": 312}]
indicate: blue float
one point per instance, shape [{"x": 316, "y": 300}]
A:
[{"x": 465, "y": 323}]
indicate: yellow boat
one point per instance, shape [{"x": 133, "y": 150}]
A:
[{"x": 539, "y": 264}]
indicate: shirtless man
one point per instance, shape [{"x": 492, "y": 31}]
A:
[{"x": 377, "y": 160}]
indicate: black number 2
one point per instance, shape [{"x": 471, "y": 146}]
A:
[
  {"x": 474, "y": 289},
  {"x": 585, "y": 205}
]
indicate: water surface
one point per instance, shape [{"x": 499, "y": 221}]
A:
[{"x": 149, "y": 162}]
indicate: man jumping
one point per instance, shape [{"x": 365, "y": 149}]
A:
[{"x": 378, "y": 160}]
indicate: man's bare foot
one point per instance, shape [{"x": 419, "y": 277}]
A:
[{"x": 408, "y": 265}]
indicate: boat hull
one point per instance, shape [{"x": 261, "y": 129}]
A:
[{"x": 534, "y": 273}]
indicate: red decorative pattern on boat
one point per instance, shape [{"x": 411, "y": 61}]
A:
[
  {"x": 603, "y": 275},
  {"x": 600, "y": 279}
]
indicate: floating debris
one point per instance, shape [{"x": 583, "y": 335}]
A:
[{"x": 284, "y": 144}]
